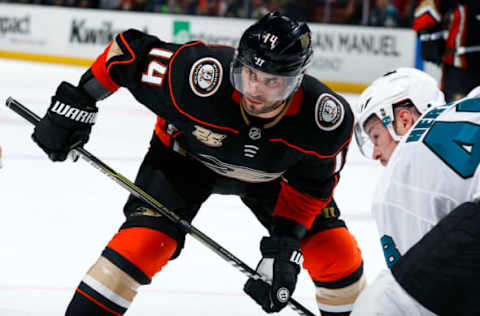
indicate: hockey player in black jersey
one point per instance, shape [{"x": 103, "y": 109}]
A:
[
  {"x": 248, "y": 122},
  {"x": 448, "y": 33}
]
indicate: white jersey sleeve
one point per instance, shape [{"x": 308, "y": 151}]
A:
[{"x": 433, "y": 170}]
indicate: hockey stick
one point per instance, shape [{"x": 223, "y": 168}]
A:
[{"x": 24, "y": 112}]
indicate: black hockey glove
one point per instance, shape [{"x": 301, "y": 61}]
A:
[
  {"x": 433, "y": 44},
  {"x": 67, "y": 123},
  {"x": 279, "y": 266}
]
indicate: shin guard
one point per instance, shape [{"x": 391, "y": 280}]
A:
[
  {"x": 132, "y": 258},
  {"x": 334, "y": 263}
]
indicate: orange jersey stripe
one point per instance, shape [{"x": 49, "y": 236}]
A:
[
  {"x": 309, "y": 151},
  {"x": 100, "y": 71},
  {"x": 161, "y": 133},
  {"x": 299, "y": 207},
  {"x": 129, "y": 50}
]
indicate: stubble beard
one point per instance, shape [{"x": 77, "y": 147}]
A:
[{"x": 252, "y": 110}]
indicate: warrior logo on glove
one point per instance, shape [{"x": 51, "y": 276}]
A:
[{"x": 73, "y": 113}]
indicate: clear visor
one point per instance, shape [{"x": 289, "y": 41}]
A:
[
  {"x": 262, "y": 86},
  {"x": 363, "y": 141}
]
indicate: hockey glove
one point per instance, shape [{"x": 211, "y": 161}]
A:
[
  {"x": 67, "y": 123},
  {"x": 279, "y": 267},
  {"x": 433, "y": 44}
]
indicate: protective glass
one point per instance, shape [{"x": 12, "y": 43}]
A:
[{"x": 266, "y": 87}]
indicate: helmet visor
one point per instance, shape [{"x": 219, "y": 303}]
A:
[
  {"x": 363, "y": 141},
  {"x": 263, "y": 87}
]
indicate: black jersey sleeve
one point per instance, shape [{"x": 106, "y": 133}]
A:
[
  {"x": 323, "y": 139},
  {"x": 308, "y": 187},
  {"x": 429, "y": 14},
  {"x": 138, "y": 62}
]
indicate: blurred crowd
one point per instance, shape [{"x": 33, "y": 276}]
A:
[{"x": 389, "y": 13}]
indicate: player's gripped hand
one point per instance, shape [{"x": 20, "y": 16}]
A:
[
  {"x": 67, "y": 123},
  {"x": 279, "y": 266}
]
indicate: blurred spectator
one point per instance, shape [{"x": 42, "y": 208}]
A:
[
  {"x": 138, "y": 5},
  {"x": 201, "y": 7},
  {"x": 110, "y": 4},
  {"x": 275, "y": 5},
  {"x": 174, "y": 7},
  {"x": 299, "y": 10},
  {"x": 405, "y": 12},
  {"x": 331, "y": 11},
  {"x": 383, "y": 14},
  {"x": 189, "y": 6},
  {"x": 222, "y": 6},
  {"x": 259, "y": 9},
  {"x": 157, "y": 6},
  {"x": 85, "y": 3},
  {"x": 353, "y": 12},
  {"x": 234, "y": 8}
]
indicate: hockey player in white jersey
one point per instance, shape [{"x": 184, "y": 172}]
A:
[{"x": 426, "y": 202}]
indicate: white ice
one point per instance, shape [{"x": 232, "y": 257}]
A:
[{"x": 56, "y": 218}]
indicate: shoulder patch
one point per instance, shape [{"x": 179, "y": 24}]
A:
[
  {"x": 329, "y": 112},
  {"x": 206, "y": 76}
]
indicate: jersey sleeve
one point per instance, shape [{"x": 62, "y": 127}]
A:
[
  {"x": 428, "y": 13},
  {"x": 138, "y": 62},
  {"x": 308, "y": 187}
]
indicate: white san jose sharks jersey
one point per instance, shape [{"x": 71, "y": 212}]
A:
[{"x": 432, "y": 170}]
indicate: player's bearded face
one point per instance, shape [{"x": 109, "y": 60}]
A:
[
  {"x": 262, "y": 92},
  {"x": 382, "y": 141}
]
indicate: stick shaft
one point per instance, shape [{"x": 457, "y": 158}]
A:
[{"x": 33, "y": 118}]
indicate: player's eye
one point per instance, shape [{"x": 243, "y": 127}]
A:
[
  {"x": 272, "y": 82},
  {"x": 252, "y": 75},
  {"x": 373, "y": 137}
]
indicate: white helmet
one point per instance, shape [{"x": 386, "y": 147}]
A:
[{"x": 407, "y": 86}]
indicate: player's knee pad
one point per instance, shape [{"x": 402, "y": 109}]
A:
[
  {"x": 146, "y": 249},
  {"x": 138, "y": 215},
  {"x": 335, "y": 265}
]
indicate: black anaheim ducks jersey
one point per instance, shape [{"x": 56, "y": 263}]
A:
[
  {"x": 463, "y": 41},
  {"x": 188, "y": 87}
]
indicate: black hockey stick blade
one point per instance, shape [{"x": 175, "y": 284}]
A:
[{"x": 33, "y": 118}]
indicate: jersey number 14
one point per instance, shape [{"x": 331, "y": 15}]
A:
[{"x": 156, "y": 70}]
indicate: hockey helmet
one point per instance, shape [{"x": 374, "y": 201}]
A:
[
  {"x": 275, "y": 45},
  {"x": 403, "y": 86}
]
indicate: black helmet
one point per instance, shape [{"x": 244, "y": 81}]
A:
[{"x": 276, "y": 45}]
